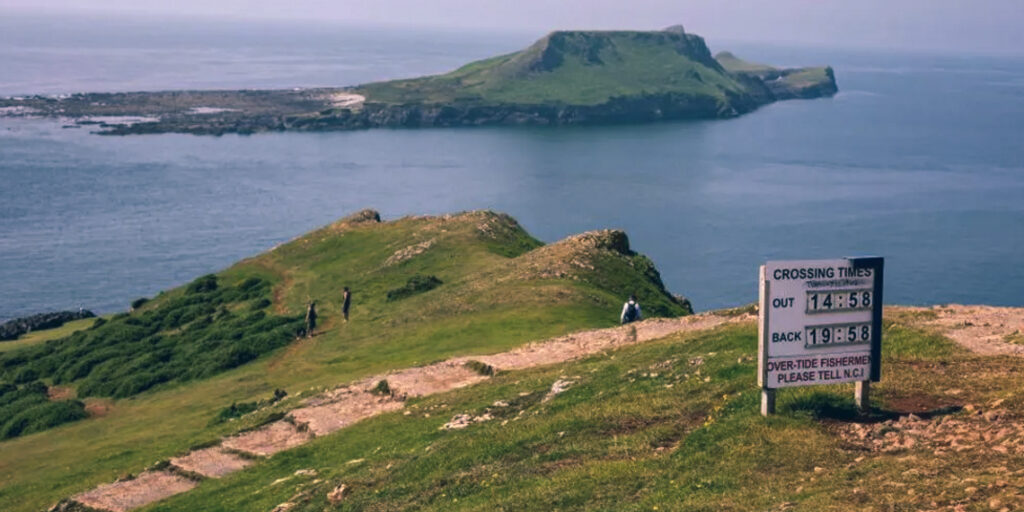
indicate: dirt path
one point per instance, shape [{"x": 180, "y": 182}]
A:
[
  {"x": 338, "y": 408},
  {"x": 986, "y": 330}
]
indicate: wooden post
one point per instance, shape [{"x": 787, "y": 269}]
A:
[
  {"x": 862, "y": 396},
  {"x": 767, "y": 401}
]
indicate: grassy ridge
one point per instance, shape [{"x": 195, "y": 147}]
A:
[
  {"x": 500, "y": 288},
  {"x": 669, "y": 425}
]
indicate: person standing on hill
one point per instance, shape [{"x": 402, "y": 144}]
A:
[
  {"x": 630, "y": 311},
  {"x": 310, "y": 318},
  {"x": 346, "y": 300}
]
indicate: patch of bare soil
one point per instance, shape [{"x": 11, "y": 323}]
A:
[
  {"x": 125, "y": 495},
  {"x": 981, "y": 329},
  {"x": 58, "y": 393},
  {"x": 586, "y": 343},
  {"x": 269, "y": 439},
  {"x": 97, "y": 407},
  {"x": 346, "y": 408},
  {"x": 211, "y": 462},
  {"x": 427, "y": 380}
]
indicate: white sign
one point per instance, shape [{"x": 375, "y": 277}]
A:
[{"x": 820, "y": 322}]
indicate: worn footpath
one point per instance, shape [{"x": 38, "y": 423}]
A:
[{"x": 338, "y": 408}]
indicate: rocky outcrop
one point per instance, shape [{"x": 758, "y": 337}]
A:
[{"x": 12, "y": 329}]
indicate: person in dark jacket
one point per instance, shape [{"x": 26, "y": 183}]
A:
[
  {"x": 346, "y": 301},
  {"x": 630, "y": 311},
  {"x": 310, "y": 318}
]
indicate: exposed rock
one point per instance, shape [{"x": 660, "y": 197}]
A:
[
  {"x": 362, "y": 216},
  {"x": 12, "y": 329},
  {"x": 557, "y": 388},
  {"x": 338, "y": 494},
  {"x": 409, "y": 252}
]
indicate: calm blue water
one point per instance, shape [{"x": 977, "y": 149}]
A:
[{"x": 918, "y": 159}]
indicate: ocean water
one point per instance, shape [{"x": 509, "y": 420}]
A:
[{"x": 919, "y": 159}]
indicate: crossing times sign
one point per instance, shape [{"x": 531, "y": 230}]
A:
[{"x": 820, "y": 322}]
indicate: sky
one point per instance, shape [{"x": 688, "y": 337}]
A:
[{"x": 965, "y": 26}]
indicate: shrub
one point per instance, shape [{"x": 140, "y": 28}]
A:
[
  {"x": 25, "y": 375},
  {"x": 480, "y": 367},
  {"x": 191, "y": 336},
  {"x": 42, "y": 416},
  {"x": 139, "y": 302},
  {"x": 27, "y": 409},
  {"x": 382, "y": 388},
  {"x": 207, "y": 283},
  {"x": 237, "y": 410},
  {"x": 415, "y": 285}
]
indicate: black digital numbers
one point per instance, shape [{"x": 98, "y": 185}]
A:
[
  {"x": 844, "y": 334},
  {"x": 838, "y": 300}
]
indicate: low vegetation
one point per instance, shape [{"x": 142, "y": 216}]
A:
[
  {"x": 27, "y": 408},
  {"x": 195, "y": 335},
  {"x": 237, "y": 410},
  {"x": 415, "y": 285}
]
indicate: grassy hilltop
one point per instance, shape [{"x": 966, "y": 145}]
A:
[
  {"x": 575, "y": 67},
  {"x": 165, "y": 377}
]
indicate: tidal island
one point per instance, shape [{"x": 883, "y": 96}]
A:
[{"x": 565, "y": 78}]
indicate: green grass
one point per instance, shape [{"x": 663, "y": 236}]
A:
[
  {"x": 576, "y": 68},
  {"x": 644, "y": 428},
  {"x": 734, "y": 64},
  {"x": 496, "y": 295},
  {"x": 807, "y": 77}
]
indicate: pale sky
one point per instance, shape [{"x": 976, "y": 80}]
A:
[{"x": 964, "y": 25}]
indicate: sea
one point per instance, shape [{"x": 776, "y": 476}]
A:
[{"x": 919, "y": 159}]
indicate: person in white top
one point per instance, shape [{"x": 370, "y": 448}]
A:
[{"x": 630, "y": 311}]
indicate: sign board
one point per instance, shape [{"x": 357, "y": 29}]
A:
[{"x": 820, "y": 322}]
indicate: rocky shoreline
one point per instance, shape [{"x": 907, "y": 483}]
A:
[
  {"x": 203, "y": 113},
  {"x": 13, "y": 329}
]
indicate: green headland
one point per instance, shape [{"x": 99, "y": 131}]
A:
[
  {"x": 566, "y": 77},
  {"x": 659, "y": 415}
]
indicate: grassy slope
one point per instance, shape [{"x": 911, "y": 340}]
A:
[
  {"x": 630, "y": 63},
  {"x": 489, "y": 302},
  {"x": 734, "y": 64},
  {"x": 647, "y": 428}
]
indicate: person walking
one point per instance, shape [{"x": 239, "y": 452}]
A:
[
  {"x": 346, "y": 301},
  {"x": 310, "y": 318},
  {"x": 630, "y": 311}
]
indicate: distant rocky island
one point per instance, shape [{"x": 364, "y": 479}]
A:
[{"x": 567, "y": 77}]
